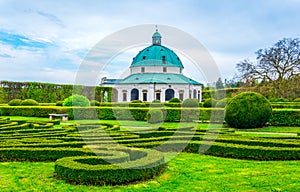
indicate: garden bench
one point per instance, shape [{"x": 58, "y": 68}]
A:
[{"x": 64, "y": 116}]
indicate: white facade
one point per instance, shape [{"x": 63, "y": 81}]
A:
[{"x": 151, "y": 92}]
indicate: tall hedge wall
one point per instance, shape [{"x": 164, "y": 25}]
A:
[{"x": 49, "y": 93}]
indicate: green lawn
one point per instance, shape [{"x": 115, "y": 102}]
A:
[{"x": 187, "y": 172}]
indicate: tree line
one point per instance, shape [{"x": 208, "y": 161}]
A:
[{"x": 275, "y": 73}]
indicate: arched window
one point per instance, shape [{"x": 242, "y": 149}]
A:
[
  {"x": 134, "y": 94},
  {"x": 169, "y": 94}
]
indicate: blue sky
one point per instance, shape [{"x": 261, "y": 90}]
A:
[{"x": 47, "y": 40}]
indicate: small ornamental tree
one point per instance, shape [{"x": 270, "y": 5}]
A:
[
  {"x": 248, "y": 110},
  {"x": 76, "y": 100}
]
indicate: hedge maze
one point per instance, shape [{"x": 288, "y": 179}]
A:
[{"x": 101, "y": 154}]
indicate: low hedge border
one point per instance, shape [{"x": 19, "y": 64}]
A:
[
  {"x": 40, "y": 154},
  {"x": 284, "y": 117},
  {"x": 98, "y": 170},
  {"x": 228, "y": 150}
]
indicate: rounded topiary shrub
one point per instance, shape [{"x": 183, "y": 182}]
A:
[
  {"x": 29, "y": 102},
  {"x": 76, "y": 100},
  {"x": 248, "y": 110},
  {"x": 174, "y": 100},
  {"x": 15, "y": 102},
  {"x": 155, "y": 116},
  {"x": 222, "y": 103},
  {"x": 190, "y": 103},
  {"x": 95, "y": 103},
  {"x": 209, "y": 102}
]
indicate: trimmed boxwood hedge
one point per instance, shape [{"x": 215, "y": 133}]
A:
[
  {"x": 40, "y": 154},
  {"x": 15, "y": 102},
  {"x": 284, "y": 117},
  {"x": 103, "y": 170},
  {"x": 29, "y": 102},
  {"x": 228, "y": 150}
]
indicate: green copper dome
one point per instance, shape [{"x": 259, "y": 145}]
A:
[{"x": 156, "y": 55}]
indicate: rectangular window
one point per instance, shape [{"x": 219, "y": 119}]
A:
[
  {"x": 124, "y": 96},
  {"x": 144, "y": 96},
  {"x": 143, "y": 69},
  {"x": 164, "y": 69},
  {"x": 164, "y": 59},
  {"x": 181, "y": 96},
  {"x": 157, "y": 96}
]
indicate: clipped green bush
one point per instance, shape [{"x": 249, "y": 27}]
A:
[
  {"x": 59, "y": 103},
  {"x": 222, "y": 103},
  {"x": 209, "y": 103},
  {"x": 95, "y": 103},
  {"x": 297, "y": 100},
  {"x": 190, "y": 103},
  {"x": 175, "y": 100},
  {"x": 137, "y": 103},
  {"x": 15, "y": 102},
  {"x": 248, "y": 110},
  {"x": 156, "y": 104},
  {"x": 76, "y": 100},
  {"x": 156, "y": 101},
  {"x": 29, "y": 102},
  {"x": 155, "y": 116},
  {"x": 137, "y": 112}
]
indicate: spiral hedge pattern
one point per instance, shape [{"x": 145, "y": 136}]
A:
[{"x": 118, "y": 156}]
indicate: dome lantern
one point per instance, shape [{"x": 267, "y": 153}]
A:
[{"x": 156, "y": 38}]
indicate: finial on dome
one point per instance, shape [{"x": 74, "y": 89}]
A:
[{"x": 156, "y": 37}]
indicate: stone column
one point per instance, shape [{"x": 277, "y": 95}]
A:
[
  {"x": 163, "y": 95},
  {"x": 140, "y": 94},
  {"x": 150, "y": 95},
  {"x": 120, "y": 95},
  {"x": 186, "y": 93}
]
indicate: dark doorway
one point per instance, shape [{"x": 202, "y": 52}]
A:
[
  {"x": 169, "y": 94},
  {"x": 144, "y": 96},
  {"x": 157, "y": 96},
  {"x": 134, "y": 94}
]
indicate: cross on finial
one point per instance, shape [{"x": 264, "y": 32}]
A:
[{"x": 156, "y": 28}]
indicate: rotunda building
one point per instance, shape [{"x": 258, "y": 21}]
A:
[{"x": 155, "y": 74}]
